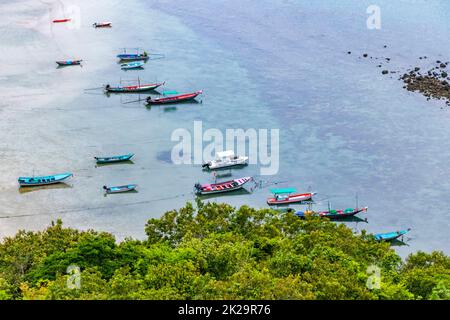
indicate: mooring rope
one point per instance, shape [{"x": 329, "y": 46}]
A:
[{"x": 86, "y": 209}]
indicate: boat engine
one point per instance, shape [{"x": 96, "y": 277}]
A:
[
  {"x": 206, "y": 165},
  {"x": 198, "y": 186}
]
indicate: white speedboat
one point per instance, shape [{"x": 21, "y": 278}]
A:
[{"x": 226, "y": 159}]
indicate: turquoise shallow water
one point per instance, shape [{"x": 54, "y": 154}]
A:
[{"x": 344, "y": 128}]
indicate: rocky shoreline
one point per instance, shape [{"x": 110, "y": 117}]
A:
[{"x": 433, "y": 83}]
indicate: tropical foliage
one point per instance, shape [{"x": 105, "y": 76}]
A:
[{"x": 214, "y": 251}]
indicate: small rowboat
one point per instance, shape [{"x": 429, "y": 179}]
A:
[
  {"x": 226, "y": 186},
  {"x": 61, "y": 20},
  {"x": 132, "y": 89},
  {"x": 390, "y": 236},
  {"x": 114, "y": 159},
  {"x": 120, "y": 189},
  {"x": 132, "y": 65},
  {"x": 69, "y": 62},
  {"x": 133, "y": 56},
  {"x": 43, "y": 180},
  {"x": 285, "y": 196},
  {"x": 174, "y": 99},
  {"x": 102, "y": 25},
  {"x": 332, "y": 214}
]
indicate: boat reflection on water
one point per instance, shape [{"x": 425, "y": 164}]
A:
[
  {"x": 61, "y": 185},
  {"x": 98, "y": 165},
  {"x": 170, "y": 108},
  {"x": 239, "y": 192},
  {"x": 399, "y": 243}
]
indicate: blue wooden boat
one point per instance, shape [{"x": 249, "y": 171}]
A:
[
  {"x": 133, "y": 56},
  {"x": 69, "y": 62},
  {"x": 120, "y": 189},
  {"x": 132, "y": 65},
  {"x": 43, "y": 180},
  {"x": 390, "y": 236},
  {"x": 114, "y": 159}
]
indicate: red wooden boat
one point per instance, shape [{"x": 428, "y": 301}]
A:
[
  {"x": 174, "y": 99},
  {"x": 281, "y": 197},
  {"x": 61, "y": 20},
  {"x": 226, "y": 186}
]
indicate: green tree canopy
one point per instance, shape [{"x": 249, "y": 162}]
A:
[{"x": 215, "y": 251}]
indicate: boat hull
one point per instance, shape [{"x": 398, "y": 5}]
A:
[
  {"x": 43, "y": 180},
  {"x": 341, "y": 214},
  {"x": 216, "y": 166},
  {"x": 295, "y": 198},
  {"x": 133, "y": 89},
  {"x": 175, "y": 99},
  {"x": 129, "y": 66},
  {"x": 102, "y": 25},
  {"x": 61, "y": 20},
  {"x": 222, "y": 187},
  {"x": 69, "y": 63},
  {"x": 104, "y": 160},
  {"x": 334, "y": 215},
  {"x": 132, "y": 57},
  {"x": 391, "y": 236},
  {"x": 120, "y": 189}
]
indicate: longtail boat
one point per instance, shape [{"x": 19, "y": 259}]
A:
[
  {"x": 132, "y": 65},
  {"x": 287, "y": 196},
  {"x": 227, "y": 186},
  {"x": 61, "y": 20},
  {"x": 174, "y": 99},
  {"x": 43, "y": 180},
  {"x": 114, "y": 159},
  {"x": 390, "y": 236},
  {"x": 69, "y": 62},
  {"x": 332, "y": 214},
  {"x": 120, "y": 189},
  {"x": 132, "y": 89},
  {"x": 102, "y": 25},
  {"x": 133, "y": 56}
]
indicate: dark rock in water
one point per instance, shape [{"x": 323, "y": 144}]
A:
[
  {"x": 385, "y": 46},
  {"x": 388, "y": 59},
  {"x": 416, "y": 69},
  {"x": 379, "y": 66},
  {"x": 365, "y": 55},
  {"x": 385, "y": 72},
  {"x": 349, "y": 52},
  {"x": 432, "y": 86},
  {"x": 438, "y": 61},
  {"x": 442, "y": 65}
]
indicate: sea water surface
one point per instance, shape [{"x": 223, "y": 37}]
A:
[{"x": 345, "y": 129}]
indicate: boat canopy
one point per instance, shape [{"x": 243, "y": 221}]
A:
[
  {"x": 225, "y": 154},
  {"x": 169, "y": 92},
  {"x": 282, "y": 191}
]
